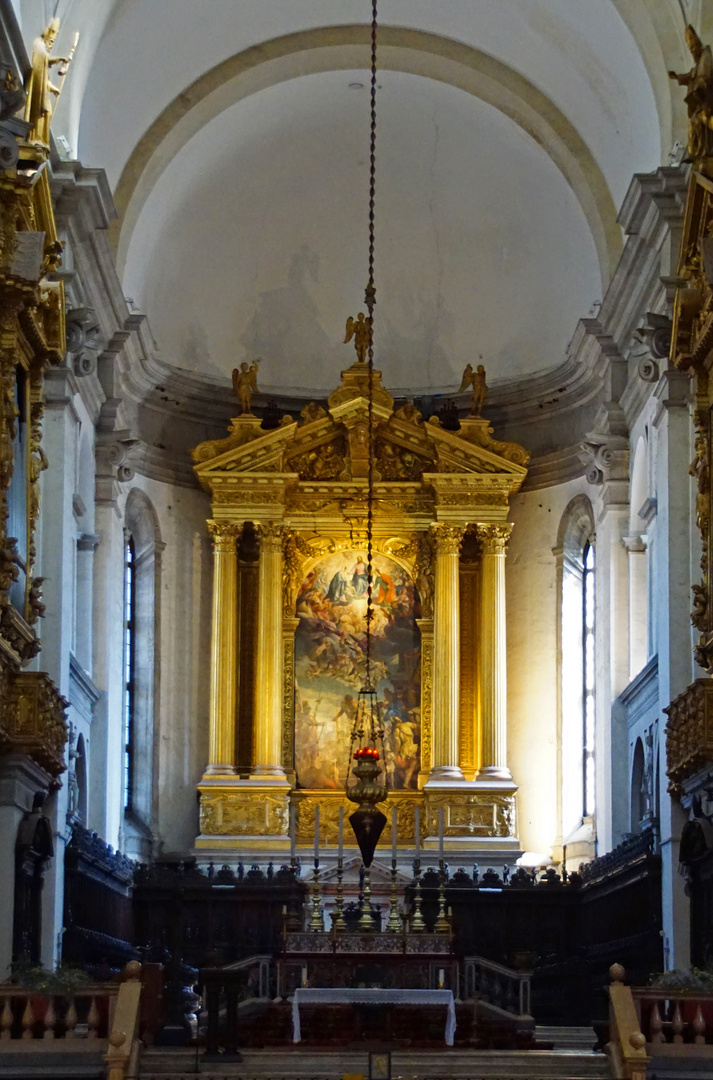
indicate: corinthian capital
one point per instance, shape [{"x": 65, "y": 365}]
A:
[
  {"x": 270, "y": 534},
  {"x": 448, "y": 539},
  {"x": 494, "y": 538},
  {"x": 224, "y": 535}
]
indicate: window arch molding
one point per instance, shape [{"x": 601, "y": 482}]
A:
[
  {"x": 575, "y": 552},
  {"x": 142, "y": 674}
]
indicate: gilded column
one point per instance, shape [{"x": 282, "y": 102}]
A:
[
  {"x": 268, "y": 677},
  {"x": 446, "y": 654},
  {"x": 223, "y": 651},
  {"x": 493, "y": 656}
]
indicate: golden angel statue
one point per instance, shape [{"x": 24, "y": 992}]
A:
[
  {"x": 245, "y": 385},
  {"x": 360, "y": 330},
  {"x": 699, "y": 96},
  {"x": 39, "y": 105},
  {"x": 476, "y": 379}
]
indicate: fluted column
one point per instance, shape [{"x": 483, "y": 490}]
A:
[
  {"x": 223, "y": 648},
  {"x": 446, "y": 654},
  {"x": 493, "y": 654},
  {"x": 268, "y": 677}
]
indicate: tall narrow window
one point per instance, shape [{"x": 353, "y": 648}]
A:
[
  {"x": 129, "y": 669},
  {"x": 576, "y": 634},
  {"x": 588, "y": 680}
]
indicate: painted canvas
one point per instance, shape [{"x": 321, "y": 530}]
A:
[{"x": 330, "y": 666}]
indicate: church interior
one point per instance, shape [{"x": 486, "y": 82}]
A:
[{"x": 356, "y": 631}]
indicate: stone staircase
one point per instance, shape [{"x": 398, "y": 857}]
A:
[{"x": 559, "y": 1064}]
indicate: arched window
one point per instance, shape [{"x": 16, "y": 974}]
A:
[
  {"x": 576, "y": 632},
  {"x": 142, "y": 575}
]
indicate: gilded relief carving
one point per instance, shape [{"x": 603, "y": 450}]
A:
[
  {"x": 243, "y": 813},
  {"x": 473, "y": 814}
]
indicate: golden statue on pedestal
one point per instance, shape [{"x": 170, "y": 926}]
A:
[
  {"x": 245, "y": 385},
  {"x": 476, "y": 379},
  {"x": 699, "y": 97},
  {"x": 360, "y": 330},
  {"x": 39, "y": 106}
]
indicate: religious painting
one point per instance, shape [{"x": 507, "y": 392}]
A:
[{"x": 330, "y": 668}]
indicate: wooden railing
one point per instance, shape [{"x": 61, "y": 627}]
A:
[
  {"x": 681, "y": 1018},
  {"x": 627, "y": 1043},
  {"x": 497, "y": 985},
  {"x": 98, "y": 1020}
]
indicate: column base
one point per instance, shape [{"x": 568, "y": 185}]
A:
[
  {"x": 268, "y": 772},
  {"x": 250, "y": 813},
  {"x": 494, "y": 772},
  {"x": 473, "y": 812},
  {"x": 445, "y": 774},
  {"x": 220, "y": 770}
]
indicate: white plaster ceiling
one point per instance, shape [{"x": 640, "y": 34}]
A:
[{"x": 236, "y": 150}]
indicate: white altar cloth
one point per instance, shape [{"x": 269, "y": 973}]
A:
[{"x": 307, "y": 995}]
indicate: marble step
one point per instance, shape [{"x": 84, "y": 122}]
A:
[
  {"x": 566, "y": 1038},
  {"x": 416, "y": 1065}
]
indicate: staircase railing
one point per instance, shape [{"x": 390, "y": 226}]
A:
[{"x": 497, "y": 985}]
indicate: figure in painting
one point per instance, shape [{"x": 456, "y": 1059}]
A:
[
  {"x": 360, "y": 330},
  {"x": 360, "y": 578},
  {"x": 330, "y": 667},
  {"x": 245, "y": 385},
  {"x": 39, "y": 105},
  {"x": 699, "y": 97},
  {"x": 476, "y": 379}
]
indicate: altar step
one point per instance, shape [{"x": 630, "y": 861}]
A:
[
  {"x": 443, "y": 1064},
  {"x": 566, "y": 1038}
]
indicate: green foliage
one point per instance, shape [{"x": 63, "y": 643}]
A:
[
  {"x": 64, "y": 980},
  {"x": 682, "y": 980}
]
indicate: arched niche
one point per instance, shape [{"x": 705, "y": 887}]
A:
[
  {"x": 330, "y": 666},
  {"x": 638, "y": 787}
]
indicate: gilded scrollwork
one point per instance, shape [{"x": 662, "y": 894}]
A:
[
  {"x": 471, "y": 814},
  {"x": 33, "y": 720},
  {"x": 243, "y": 813},
  {"x": 494, "y": 538},
  {"x": 325, "y": 462},
  {"x": 295, "y": 550}
]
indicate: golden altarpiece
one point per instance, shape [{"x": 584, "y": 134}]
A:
[{"x": 288, "y": 528}]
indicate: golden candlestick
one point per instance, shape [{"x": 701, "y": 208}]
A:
[
  {"x": 316, "y": 922},
  {"x": 417, "y": 923},
  {"x": 442, "y": 925},
  {"x": 393, "y": 926},
  {"x": 338, "y": 921},
  {"x": 365, "y": 920}
]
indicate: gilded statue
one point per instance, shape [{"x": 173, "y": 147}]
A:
[
  {"x": 699, "y": 97},
  {"x": 245, "y": 385},
  {"x": 360, "y": 330},
  {"x": 313, "y": 412},
  {"x": 39, "y": 105},
  {"x": 409, "y": 413},
  {"x": 476, "y": 380}
]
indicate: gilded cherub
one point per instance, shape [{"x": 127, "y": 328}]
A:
[
  {"x": 360, "y": 330},
  {"x": 699, "y": 96},
  {"x": 245, "y": 385},
  {"x": 476, "y": 379}
]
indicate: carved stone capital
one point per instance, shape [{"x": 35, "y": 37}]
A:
[
  {"x": 447, "y": 539},
  {"x": 270, "y": 535},
  {"x": 225, "y": 535},
  {"x": 494, "y": 538},
  {"x": 605, "y": 457}
]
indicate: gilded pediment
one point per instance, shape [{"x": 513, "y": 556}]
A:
[{"x": 332, "y": 446}]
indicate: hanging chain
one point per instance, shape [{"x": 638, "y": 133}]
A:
[{"x": 370, "y": 300}]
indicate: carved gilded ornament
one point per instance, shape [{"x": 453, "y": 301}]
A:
[
  {"x": 471, "y": 814},
  {"x": 447, "y": 539},
  {"x": 270, "y": 534},
  {"x": 426, "y": 628},
  {"x": 225, "y": 535},
  {"x": 32, "y": 720},
  {"x": 243, "y": 813},
  {"x": 689, "y": 733},
  {"x": 295, "y": 550},
  {"x": 308, "y": 802},
  {"x": 494, "y": 538}
]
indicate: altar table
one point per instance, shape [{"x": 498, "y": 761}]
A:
[{"x": 364, "y": 996}]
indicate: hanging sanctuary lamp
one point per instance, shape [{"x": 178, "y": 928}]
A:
[{"x": 368, "y": 789}]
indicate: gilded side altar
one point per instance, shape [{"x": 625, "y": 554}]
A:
[{"x": 288, "y": 526}]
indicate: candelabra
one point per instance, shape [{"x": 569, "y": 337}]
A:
[
  {"x": 393, "y": 926},
  {"x": 365, "y": 920},
  {"x": 442, "y": 925},
  {"x": 417, "y": 923},
  {"x": 316, "y": 922},
  {"x": 338, "y": 921}
]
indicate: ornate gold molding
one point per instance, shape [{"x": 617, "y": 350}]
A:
[
  {"x": 241, "y": 812},
  {"x": 471, "y": 814},
  {"x": 689, "y": 733},
  {"x": 32, "y": 720}
]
